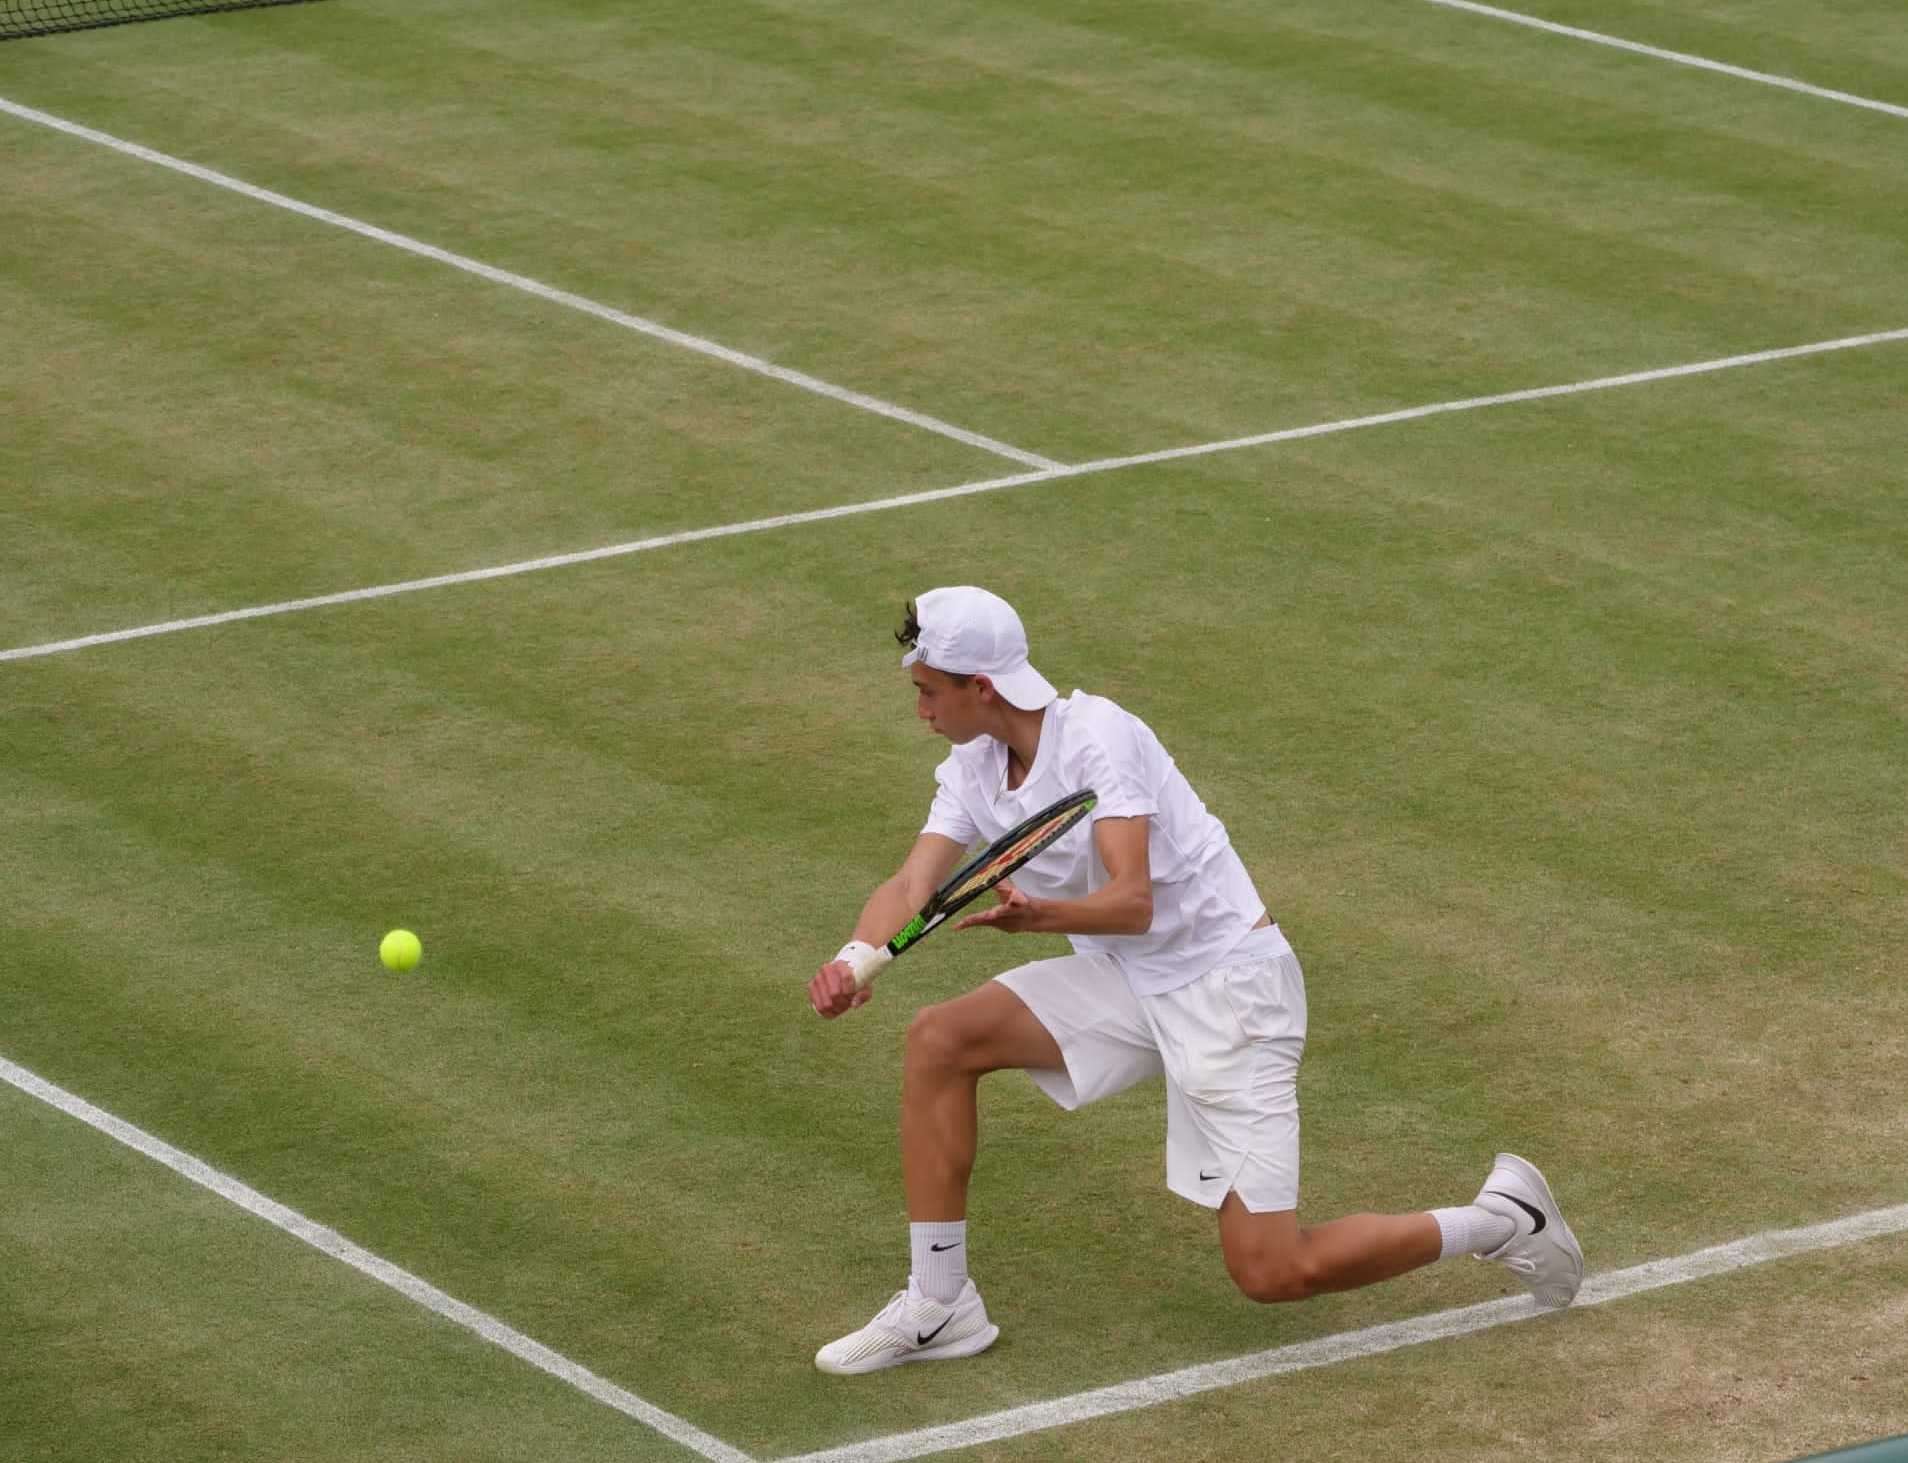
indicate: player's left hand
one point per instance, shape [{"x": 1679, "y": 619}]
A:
[{"x": 1014, "y": 915}]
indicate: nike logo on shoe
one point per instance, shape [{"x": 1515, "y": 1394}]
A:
[
  {"x": 1536, "y": 1214},
  {"x": 921, "y": 1338},
  {"x": 939, "y": 1248}
]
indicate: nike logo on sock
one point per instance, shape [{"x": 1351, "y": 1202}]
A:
[
  {"x": 1536, "y": 1214},
  {"x": 939, "y": 1248},
  {"x": 921, "y": 1338}
]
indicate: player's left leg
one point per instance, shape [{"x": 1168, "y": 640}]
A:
[
  {"x": 1231, "y": 1043},
  {"x": 1514, "y": 1221},
  {"x": 1271, "y": 1257}
]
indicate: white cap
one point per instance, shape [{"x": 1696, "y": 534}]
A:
[{"x": 968, "y": 632}]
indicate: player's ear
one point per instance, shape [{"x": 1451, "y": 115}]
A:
[{"x": 986, "y": 687}]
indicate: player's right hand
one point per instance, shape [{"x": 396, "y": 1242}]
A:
[{"x": 832, "y": 991}]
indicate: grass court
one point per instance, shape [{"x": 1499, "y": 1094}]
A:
[{"x": 1567, "y": 737}]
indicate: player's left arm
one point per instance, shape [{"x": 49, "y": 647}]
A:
[{"x": 1123, "y": 905}]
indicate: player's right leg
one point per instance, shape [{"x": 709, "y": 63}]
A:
[
  {"x": 1060, "y": 1021},
  {"x": 950, "y": 1047}
]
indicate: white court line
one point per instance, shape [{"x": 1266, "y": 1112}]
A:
[
  {"x": 1758, "y": 1249},
  {"x": 1679, "y": 57},
  {"x": 532, "y": 287},
  {"x": 985, "y": 485},
  {"x": 383, "y": 1271}
]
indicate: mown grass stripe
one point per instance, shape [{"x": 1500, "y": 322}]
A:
[{"x": 959, "y": 490}]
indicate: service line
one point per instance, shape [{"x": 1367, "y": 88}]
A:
[{"x": 960, "y": 490}]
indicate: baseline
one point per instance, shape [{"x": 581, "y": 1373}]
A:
[{"x": 1757, "y": 1249}]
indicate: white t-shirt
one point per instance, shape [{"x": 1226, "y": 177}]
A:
[{"x": 1203, "y": 899}]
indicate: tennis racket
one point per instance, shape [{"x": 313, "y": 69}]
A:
[{"x": 979, "y": 874}]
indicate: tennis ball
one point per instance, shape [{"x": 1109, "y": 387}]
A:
[{"x": 400, "y": 950}]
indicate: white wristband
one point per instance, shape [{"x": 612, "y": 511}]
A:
[{"x": 864, "y": 959}]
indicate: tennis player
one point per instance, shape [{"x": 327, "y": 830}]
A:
[{"x": 1176, "y": 971}]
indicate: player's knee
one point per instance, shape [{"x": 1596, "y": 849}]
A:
[
  {"x": 1275, "y": 1276},
  {"x": 937, "y": 1038}
]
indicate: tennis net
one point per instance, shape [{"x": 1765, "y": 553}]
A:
[{"x": 41, "y": 17}]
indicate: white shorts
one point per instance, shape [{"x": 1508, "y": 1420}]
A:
[{"x": 1228, "y": 1045}]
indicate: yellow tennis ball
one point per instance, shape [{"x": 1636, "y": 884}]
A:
[{"x": 400, "y": 950}]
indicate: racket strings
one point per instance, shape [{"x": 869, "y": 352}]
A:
[{"x": 1003, "y": 862}]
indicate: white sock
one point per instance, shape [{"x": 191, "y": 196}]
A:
[
  {"x": 940, "y": 1258},
  {"x": 1471, "y": 1230}
]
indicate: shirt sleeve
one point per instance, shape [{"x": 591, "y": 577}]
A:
[
  {"x": 949, "y": 816},
  {"x": 1114, "y": 758}
]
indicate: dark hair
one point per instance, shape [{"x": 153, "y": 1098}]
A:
[{"x": 910, "y": 632}]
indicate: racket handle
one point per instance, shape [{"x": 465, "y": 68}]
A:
[{"x": 867, "y": 961}]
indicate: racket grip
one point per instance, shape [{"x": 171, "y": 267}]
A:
[{"x": 867, "y": 961}]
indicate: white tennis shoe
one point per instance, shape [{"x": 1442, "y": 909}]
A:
[
  {"x": 912, "y": 1327},
  {"x": 1542, "y": 1252}
]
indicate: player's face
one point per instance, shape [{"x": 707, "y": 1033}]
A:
[{"x": 950, "y": 708}]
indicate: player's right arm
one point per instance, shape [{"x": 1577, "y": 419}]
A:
[{"x": 895, "y": 901}]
